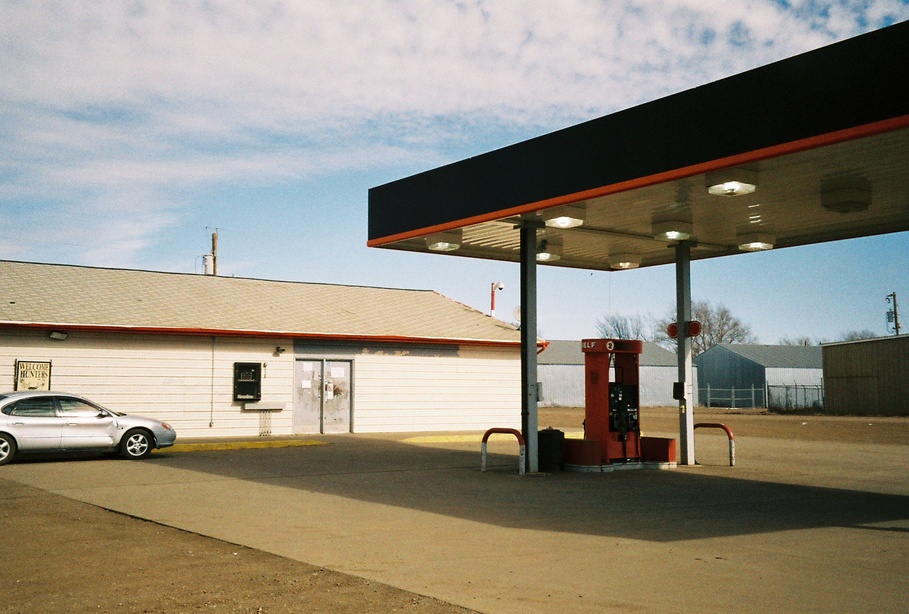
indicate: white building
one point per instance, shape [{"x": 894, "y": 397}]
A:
[
  {"x": 219, "y": 356},
  {"x": 560, "y": 370}
]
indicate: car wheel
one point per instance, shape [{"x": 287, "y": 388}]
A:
[
  {"x": 7, "y": 448},
  {"x": 136, "y": 444}
]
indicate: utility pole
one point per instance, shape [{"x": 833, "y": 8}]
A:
[
  {"x": 894, "y": 314},
  {"x": 214, "y": 252}
]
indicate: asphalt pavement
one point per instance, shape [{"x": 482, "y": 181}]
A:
[{"x": 795, "y": 526}]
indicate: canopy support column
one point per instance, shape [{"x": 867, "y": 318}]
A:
[
  {"x": 529, "y": 421},
  {"x": 686, "y": 371}
]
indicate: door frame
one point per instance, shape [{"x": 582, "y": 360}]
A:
[{"x": 322, "y": 359}]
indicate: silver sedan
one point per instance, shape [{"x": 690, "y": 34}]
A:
[{"x": 44, "y": 421}]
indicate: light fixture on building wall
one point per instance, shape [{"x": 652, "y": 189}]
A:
[
  {"x": 756, "y": 241},
  {"x": 672, "y": 230},
  {"x": 623, "y": 262},
  {"x": 736, "y": 181},
  {"x": 447, "y": 241},
  {"x": 57, "y": 335},
  {"x": 549, "y": 250},
  {"x": 565, "y": 217},
  {"x": 846, "y": 200}
]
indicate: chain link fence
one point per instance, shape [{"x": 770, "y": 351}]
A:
[
  {"x": 795, "y": 397},
  {"x": 791, "y": 397},
  {"x": 732, "y": 397}
]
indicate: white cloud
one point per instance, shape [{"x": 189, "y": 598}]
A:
[{"x": 105, "y": 98}]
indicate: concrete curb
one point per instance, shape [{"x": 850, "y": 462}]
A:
[{"x": 240, "y": 445}]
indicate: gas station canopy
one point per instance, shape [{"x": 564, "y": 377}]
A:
[{"x": 809, "y": 149}]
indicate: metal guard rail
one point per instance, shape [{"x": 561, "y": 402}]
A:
[
  {"x": 522, "y": 456},
  {"x": 717, "y": 425}
]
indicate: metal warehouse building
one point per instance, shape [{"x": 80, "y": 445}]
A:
[
  {"x": 773, "y": 376},
  {"x": 219, "y": 356},
  {"x": 561, "y": 375},
  {"x": 867, "y": 377}
]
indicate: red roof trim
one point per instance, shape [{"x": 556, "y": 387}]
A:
[{"x": 204, "y": 332}]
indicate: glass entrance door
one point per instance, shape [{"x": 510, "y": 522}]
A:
[{"x": 322, "y": 397}]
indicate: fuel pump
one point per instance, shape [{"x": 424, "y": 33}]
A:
[{"x": 611, "y": 390}]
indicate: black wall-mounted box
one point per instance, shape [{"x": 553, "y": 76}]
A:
[{"x": 247, "y": 381}]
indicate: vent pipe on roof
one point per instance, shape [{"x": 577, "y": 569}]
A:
[{"x": 208, "y": 267}]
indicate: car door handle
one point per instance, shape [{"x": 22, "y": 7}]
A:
[
  {"x": 18, "y": 423},
  {"x": 72, "y": 424}
]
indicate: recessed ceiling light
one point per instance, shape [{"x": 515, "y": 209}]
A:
[
  {"x": 447, "y": 241},
  {"x": 548, "y": 251},
  {"x": 565, "y": 217},
  {"x": 734, "y": 181},
  {"x": 672, "y": 230},
  {"x": 756, "y": 241},
  {"x": 622, "y": 262}
]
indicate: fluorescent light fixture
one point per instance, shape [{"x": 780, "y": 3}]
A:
[
  {"x": 548, "y": 251},
  {"x": 756, "y": 241},
  {"x": 59, "y": 336},
  {"x": 565, "y": 217},
  {"x": 846, "y": 200},
  {"x": 734, "y": 181},
  {"x": 623, "y": 262},
  {"x": 672, "y": 230},
  {"x": 447, "y": 241}
]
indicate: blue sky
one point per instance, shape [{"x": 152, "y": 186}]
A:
[{"x": 129, "y": 131}]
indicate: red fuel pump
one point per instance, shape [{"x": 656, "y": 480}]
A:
[{"x": 611, "y": 415}]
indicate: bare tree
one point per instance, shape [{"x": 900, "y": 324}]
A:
[
  {"x": 797, "y": 341},
  {"x": 718, "y": 325},
  {"x": 858, "y": 335},
  {"x": 616, "y": 326}
]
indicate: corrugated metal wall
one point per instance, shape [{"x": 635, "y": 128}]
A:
[
  {"x": 789, "y": 376},
  {"x": 720, "y": 368},
  {"x": 867, "y": 377},
  {"x": 563, "y": 385}
]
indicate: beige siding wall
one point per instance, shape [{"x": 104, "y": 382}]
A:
[
  {"x": 474, "y": 390},
  {"x": 187, "y": 381}
]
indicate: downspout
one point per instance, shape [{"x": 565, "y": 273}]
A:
[{"x": 211, "y": 415}]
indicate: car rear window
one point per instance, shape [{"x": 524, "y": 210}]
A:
[{"x": 39, "y": 407}]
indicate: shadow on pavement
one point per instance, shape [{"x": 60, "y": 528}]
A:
[{"x": 659, "y": 506}]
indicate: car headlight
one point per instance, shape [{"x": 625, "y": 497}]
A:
[{"x": 167, "y": 426}]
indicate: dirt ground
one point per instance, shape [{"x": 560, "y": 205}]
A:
[
  {"x": 63, "y": 555},
  {"x": 754, "y": 423},
  {"x": 66, "y": 556}
]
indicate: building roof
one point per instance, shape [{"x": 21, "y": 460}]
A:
[
  {"x": 566, "y": 352},
  {"x": 77, "y": 297},
  {"x": 775, "y": 356}
]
